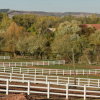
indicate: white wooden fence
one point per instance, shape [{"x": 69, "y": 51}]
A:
[
  {"x": 14, "y": 64},
  {"x": 4, "y": 57},
  {"x": 63, "y": 90},
  {"x": 49, "y": 71},
  {"x": 52, "y": 79}
]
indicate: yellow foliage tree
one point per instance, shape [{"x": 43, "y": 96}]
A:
[{"x": 12, "y": 35}]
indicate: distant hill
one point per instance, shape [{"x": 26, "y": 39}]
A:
[
  {"x": 41, "y": 13},
  {"x": 4, "y": 10}
]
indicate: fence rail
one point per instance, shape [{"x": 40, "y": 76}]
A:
[
  {"x": 62, "y": 90},
  {"x": 49, "y": 71},
  {"x": 52, "y": 79},
  {"x": 4, "y": 57},
  {"x": 37, "y": 63}
]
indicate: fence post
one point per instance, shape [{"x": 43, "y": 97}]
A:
[
  {"x": 12, "y": 69},
  {"x": 4, "y": 57},
  {"x": 35, "y": 78},
  {"x": 95, "y": 71},
  {"x": 59, "y": 62},
  {"x": 15, "y": 64},
  {"x": 9, "y": 64},
  {"x": 21, "y": 63},
  {"x": 42, "y": 71},
  {"x": 98, "y": 82},
  {"x": 56, "y": 71},
  {"x": 7, "y": 86},
  {"x": 43, "y": 63},
  {"x": 84, "y": 92},
  {"x": 70, "y": 72},
  {"x": 49, "y": 71},
  {"x": 35, "y": 70},
  {"x": 32, "y": 63},
  {"x": 63, "y": 72},
  {"x": 78, "y": 81},
  {"x": 57, "y": 80},
  {"x": 66, "y": 91},
  {"x": 76, "y": 72},
  {"x": 23, "y": 78},
  {"x": 48, "y": 90},
  {"x": 46, "y": 79},
  {"x": 83, "y": 72},
  {"x": 48, "y": 63},
  {"x": 20, "y": 70},
  {"x": 37, "y": 63},
  {"x": 89, "y": 82},
  {"x": 10, "y": 76},
  {"x": 4, "y": 69},
  {"x": 28, "y": 87},
  {"x": 68, "y": 80},
  {"x": 3, "y": 64}
]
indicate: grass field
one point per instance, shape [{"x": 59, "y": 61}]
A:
[
  {"x": 67, "y": 67},
  {"x": 17, "y": 60},
  {"x": 22, "y": 60}
]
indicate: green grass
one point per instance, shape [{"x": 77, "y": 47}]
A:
[
  {"x": 88, "y": 64},
  {"x": 63, "y": 67},
  {"x": 22, "y": 60},
  {"x": 17, "y": 60},
  {"x": 84, "y": 76}
]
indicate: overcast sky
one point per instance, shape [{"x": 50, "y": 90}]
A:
[{"x": 52, "y": 5}]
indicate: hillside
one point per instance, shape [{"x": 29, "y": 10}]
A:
[
  {"x": 41, "y": 13},
  {"x": 4, "y": 10}
]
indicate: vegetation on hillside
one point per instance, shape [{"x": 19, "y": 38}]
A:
[{"x": 31, "y": 34}]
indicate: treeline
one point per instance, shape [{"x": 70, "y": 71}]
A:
[{"x": 34, "y": 34}]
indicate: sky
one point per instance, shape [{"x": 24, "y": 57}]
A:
[{"x": 92, "y": 6}]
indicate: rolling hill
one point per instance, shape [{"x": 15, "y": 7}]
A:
[{"x": 41, "y": 13}]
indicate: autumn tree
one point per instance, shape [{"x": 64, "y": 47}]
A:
[{"x": 12, "y": 35}]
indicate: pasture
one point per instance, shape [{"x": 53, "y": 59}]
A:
[{"x": 50, "y": 81}]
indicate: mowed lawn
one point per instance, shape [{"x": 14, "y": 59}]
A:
[{"x": 67, "y": 67}]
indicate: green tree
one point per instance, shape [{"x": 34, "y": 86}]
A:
[
  {"x": 5, "y": 23},
  {"x": 22, "y": 45}
]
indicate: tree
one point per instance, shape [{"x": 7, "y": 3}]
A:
[
  {"x": 22, "y": 45},
  {"x": 36, "y": 43},
  {"x": 32, "y": 44},
  {"x": 12, "y": 35},
  {"x": 68, "y": 28},
  {"x": 95, "y": 42},
  {"x": 5, "y": 23},
  {"x": 86, "y": 56},
  {"x": 88, "y": 31},
  {"x": 66, "y": 38}
]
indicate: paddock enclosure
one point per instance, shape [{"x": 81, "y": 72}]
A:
[{"x": 49, "y": 82}]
